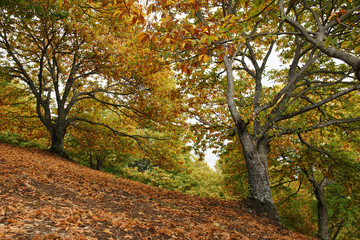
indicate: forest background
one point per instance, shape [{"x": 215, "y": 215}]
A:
[{"x": 113, "y": 84}]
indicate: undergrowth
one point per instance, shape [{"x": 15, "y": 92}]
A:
[{"x": 196, "y": 179}]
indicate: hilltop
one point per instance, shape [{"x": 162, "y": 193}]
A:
[{"x": 46, "y": 197}]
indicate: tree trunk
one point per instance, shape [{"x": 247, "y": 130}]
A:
[
  {"x": 57, "y": 141},
  {"x": 260, "y": 199},
  {"x": 323, "y": 220},
  {"x": 100, "y": 159},
  {"x": 255, "y": 153}
]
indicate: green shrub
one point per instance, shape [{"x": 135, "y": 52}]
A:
[
  {"x": 204, "y": 182},
  {"x": 20, "y": 140}
]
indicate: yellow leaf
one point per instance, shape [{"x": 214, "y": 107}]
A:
[
  {"x": 344, "y": 44},
  {"x": 154, "y": 38},
  {"x": 201, "y": 57},
  {"x": 108, "y": 231},
  {"x": 206, "y": 58},
  {"x": 183, "y": 45},
  {"x": 228, "y": 16},
  {"x": 142, "y": 37},
  {"x": 116, "y": 13},
  {"x": 357, "y": 49}
]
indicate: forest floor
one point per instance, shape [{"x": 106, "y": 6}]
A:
[{"x": 45, "y": 197}]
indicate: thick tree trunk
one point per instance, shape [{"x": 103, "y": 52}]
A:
[
  {"x": 57, "y": 141},
  {"x": 260, "y": 199}
]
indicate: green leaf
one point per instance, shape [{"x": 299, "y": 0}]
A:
[
  {"x": 327, "y": 42},
  {"x": 334, "y": 41},
  {"x": 357, "y": 49}
]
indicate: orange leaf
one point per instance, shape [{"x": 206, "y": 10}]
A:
[
  {"x": 133, "y": 21},
  {"x": 338, "y": 20}
]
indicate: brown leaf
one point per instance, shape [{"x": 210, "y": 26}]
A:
[{"x": 108, "y": 231}]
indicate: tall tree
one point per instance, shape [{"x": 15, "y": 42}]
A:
[
  {"x": 64, "y": 54},
  {"x": 225, "y": 47}
]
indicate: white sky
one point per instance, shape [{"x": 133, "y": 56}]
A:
[{"x": 211, "y": 158}]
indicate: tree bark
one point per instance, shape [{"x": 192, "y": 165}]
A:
[
  {"x": 255, "y": 152},
  {"x": 57, "y": 134},
  {"x": 323, "y": 218},
  {"x": 323, "y": 222},
  {"x": 260, "y": 199}
]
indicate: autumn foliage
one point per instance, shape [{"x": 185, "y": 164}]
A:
[{"x": 115, "y": 84}]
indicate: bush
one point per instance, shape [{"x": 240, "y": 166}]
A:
[
  {"x": 204, "y": 183},
  {"x": 20, "y": 140}
]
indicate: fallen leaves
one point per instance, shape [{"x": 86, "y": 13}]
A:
[{"x": 44, "y": 197}]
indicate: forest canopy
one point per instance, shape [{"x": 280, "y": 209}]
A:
[{"x": 105, "y": 82}]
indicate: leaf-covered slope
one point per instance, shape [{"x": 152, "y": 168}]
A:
[{"x": 45, "y": 197}]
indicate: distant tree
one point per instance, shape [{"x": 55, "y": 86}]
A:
[{"x": 324, "y": 164}]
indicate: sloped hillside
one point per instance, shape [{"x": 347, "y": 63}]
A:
[{"x": 46, "y": 197}]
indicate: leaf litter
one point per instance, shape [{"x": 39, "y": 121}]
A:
[{"x": 45, "y": 197}]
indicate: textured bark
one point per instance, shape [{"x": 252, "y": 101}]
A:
[
  {"x": 57, "y": 140},
  {"x": 255, "y": 153},
  {"x": 323, "y": 218},
  {"x": 323, "y": 222},
  {"x": 260, "y": 199}
]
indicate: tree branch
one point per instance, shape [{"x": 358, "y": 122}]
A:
[{"x": 317, "y": 126}]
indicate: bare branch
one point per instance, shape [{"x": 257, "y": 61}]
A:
[
  {"x": 317, "y": 126},
  {"x": 318, "y": 104}
]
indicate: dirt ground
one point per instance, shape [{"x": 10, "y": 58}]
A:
[{"x": 45, "y": 197}]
